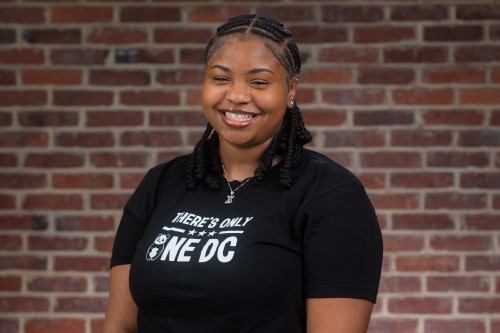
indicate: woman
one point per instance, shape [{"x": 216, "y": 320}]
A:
[{"x": 250, "y": 232}]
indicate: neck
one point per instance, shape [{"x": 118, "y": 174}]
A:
[{"x": 240, "y": 163}]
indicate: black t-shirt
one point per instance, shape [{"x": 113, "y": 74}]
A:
[{"x": 200, "y": 265}]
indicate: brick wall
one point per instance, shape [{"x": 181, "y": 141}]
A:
[{"x": 404, "y": 93}]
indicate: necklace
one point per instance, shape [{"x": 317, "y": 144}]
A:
[{"x": 231, "y": 195}]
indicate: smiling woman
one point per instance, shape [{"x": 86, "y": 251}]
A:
[{"x": 251, "y": 232}]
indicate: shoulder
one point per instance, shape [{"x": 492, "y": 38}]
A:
[{"x": 165, "y": 174}]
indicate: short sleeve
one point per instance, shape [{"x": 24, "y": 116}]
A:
[{"x": 342, "y": 245}]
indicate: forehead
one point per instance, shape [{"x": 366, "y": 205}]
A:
[{"x": 249, "y": 51}]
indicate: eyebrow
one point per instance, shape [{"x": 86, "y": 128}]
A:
[{"x": 252, "y": 71}]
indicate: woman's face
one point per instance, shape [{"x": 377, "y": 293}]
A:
[{"x": 246, "y": 93}]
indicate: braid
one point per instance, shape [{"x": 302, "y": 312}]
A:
[{"x": 205, "y": 165}]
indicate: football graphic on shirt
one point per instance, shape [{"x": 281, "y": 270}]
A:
[{"x": 155, "y": 250}]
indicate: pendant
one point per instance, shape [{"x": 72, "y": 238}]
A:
[{"x": 230, "y": 198}]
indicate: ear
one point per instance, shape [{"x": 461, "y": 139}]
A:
[{"x": 292, "y": 90}]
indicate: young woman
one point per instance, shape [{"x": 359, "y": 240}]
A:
[{"x": 251, "y": 232}]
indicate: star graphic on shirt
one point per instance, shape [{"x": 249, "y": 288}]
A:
[
  {"x": 201, "y": 233},
  {"x": 212, "y": 233},
  {"x": 192, "y": 232}
]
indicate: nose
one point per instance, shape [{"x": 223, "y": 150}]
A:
[{"x": 238, "y": 93}]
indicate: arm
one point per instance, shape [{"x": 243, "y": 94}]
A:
[
  {"x": 121, "y": 314},
  {"x": 338, "y": 315}
]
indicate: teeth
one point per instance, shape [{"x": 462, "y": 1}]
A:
[{"x": 238, "y": 116}]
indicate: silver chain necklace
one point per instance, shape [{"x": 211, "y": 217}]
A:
[{"x": 231, "y": 195}]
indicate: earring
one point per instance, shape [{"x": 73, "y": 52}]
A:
[{"x": 292, "y": 102}]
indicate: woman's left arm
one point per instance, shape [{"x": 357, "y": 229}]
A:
[{"x": 338, "y": 315}]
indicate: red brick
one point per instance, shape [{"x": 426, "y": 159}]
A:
[
  {"x": 114, "y": 118},
  {"x": 10, "y": 283},
  {"x": 117, "y": 35},
  {"x": 55, "y": 325},
  {"x": 382, "y": 159},
  {"x": 23, "y": 15},
  {"x": 5, "y": 119},
  {"x": 317, "y": 34},
  {"x": 146, "y": 56},
  {"x": 428, "y": 263},
  {"x": 53, "y": 202},
  {"x": 84, "y": 139},
  {"x": 23, "y": 223},
  {"x": 416, "y": 55},
  {"x": 395, "y": 201},
  {"x": 480, "y": 180},
  {"x": 85, "y": 223},
  {"x": 10, "y": 242},
  {"x": 383, "y": 34},
  {"x": 22, "y": 56},
  {"x": 342, "y": 14},
  {"x": 339, "y": 138},
  {"x": 151, "y": 138},
  {"x": 23, "y": 304},
  {"x": 56, "y": 243},
  {"x": 7, "y": 36},
  {"x": 346, "y": 55},
  {"x": 57, "y": 284},
  {"x": 22, "y": 98},
  {"x": 84, "y": 181},
  {"x": 7, "y": 78},
  {"x": 486, "y": 305},
  {"x": 454, "y": 326},
  {"x": 457, "y": 284},
  {"x": 24, "y": 139},
  {"x": 482, "y": 263},
  {"x": 285, "y": 13},
  {"x": 51, "y": 76},
  {"x": 495, "y": 75},
  {"x": 385, "y": 76},
  {"x": 218, "y": 14},
  {"x": 108, "y": 201},
  {"x": 454, "y": 117},
  {"x": 130, "y": 181},
  {"x": 320, "y": 117},
  {"x": 461, "y": 243},
  {"x": 120, "y": 159},
  {"x": 182, "y": 35},
  {"x": 421, "y": 138},
  {"x": 484, "y": 138},
  {"x": 424, "y": 12},
  {"x": 81, "y": 264},
  {"x": 392, "y": 325},
  {"x": 382, "y": 118},
  {"x": 192, "y": 56},
  {"x": 81, "y": 304},
  {"x": 421, "y": 305},
  {"x": 8, "y": 160},
  {"x": 23, "y": 262},
  {"x": 400, "y": 284},
  {"x": 481, "y": 222},
  {"x": 422, "y": 180},
  {"x": 7, "y": 202},
  {"x": 177, "y": 118},
  {"x": 402, "y": 243},
  {"x": 77, "y": 14},
  {"x": 119, "y": 78},
  {"x": 48, "y": 118},
  {"x": 455, "y": 200},
  {"x": 104, "y": 244},
  {"x": 52, "y": 36},
  {"x": 180, "y": 76},
  {"x": 457, "y": 159},
  {"x": 478, "y": 12},
  {"x": 421, "y": 96},
  {"x": 97, "y": 325},
  {"x": 486, "y": 96},
  {"x": 494, "y": 32},
  {"x": 422, "y": 222},
  {"x": 150, "y": 14},
  {"x": 150, "y": 97},
  {"x": 353, "y": 97},
  {"x": 78, "y": 57},
  {"x": 372, "y": 180},
  {"x": 79, "y": 97},
  {"x": 54, "y": 160},
  {"x": 22, "y": 180},
  {"x": 495, "y": 118},
  {"x": 454, "y": 75},
  {"x": 477, "y": 53},
  {"x": 9, "y": 325},
  {"x": 456, "y": 33}
]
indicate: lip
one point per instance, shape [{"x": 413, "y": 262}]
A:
[{"x": 238, "y": 123}]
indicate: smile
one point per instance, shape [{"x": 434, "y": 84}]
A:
[{"x": 238, "y": 116}]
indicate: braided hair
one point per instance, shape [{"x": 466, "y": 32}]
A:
[{"x": 205, "y": 165}]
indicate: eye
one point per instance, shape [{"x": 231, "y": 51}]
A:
[
  {"x": 259, "y": 83},
  {"x": 220, "y": 79}
]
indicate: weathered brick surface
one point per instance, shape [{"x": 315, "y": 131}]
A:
[{"x": 404, "y": 93}]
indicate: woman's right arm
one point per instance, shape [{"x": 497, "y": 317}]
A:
[{"x": 121, "y": 314}]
